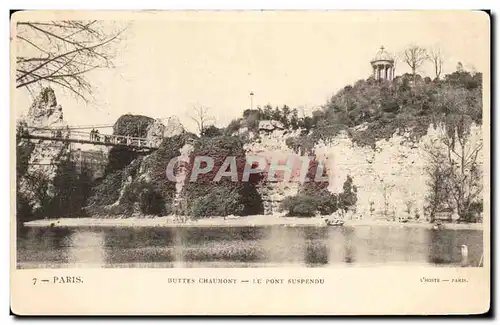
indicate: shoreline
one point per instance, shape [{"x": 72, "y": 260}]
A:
[{"x": 248, "y": 221}]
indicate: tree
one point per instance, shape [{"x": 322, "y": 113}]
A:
[
  {"x": 462, "y": 152},
  {"x": 348, "y": 198},
  {"x": 200, "y": 115},
  {"x": 63, "y": 53},
  {"x": 456, "y": 176},
  {"x": 437, "y": 58},
  {"x": 212, "y": 131},
  {"x": 414, "y": 56},
  {"x": 438, "y": 173}
]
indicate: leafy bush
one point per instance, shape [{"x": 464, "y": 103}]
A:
[
  {"x": 233, "y": 127},
  {"x": 142, "y": 196},
  {"x": 71, "y": 187},
  {"x": 212, "y": 131},
  {"x": 132, "y": 125},
  {"x": 108, "y": 190},
  {"x": 205, "y": 197},
  {"x": 221, "y": 201},
  {"x": 316, "y": 199},
  {"x": 300, "y": 205},
  {"x": 127, "y": 125}
]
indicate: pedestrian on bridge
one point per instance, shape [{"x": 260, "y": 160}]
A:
[
  {"x": 97, "y": 135},
  {"x": 92, "y": 135}
]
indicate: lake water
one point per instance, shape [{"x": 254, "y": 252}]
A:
[{"x": 244, "y": 246}]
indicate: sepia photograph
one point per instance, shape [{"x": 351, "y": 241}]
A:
[{"x": 312, "y": 140}]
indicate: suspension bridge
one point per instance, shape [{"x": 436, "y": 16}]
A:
[{"x": 71, "y": 135}]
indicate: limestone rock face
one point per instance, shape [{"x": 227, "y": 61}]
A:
[
  {"x": 45, "y": 112},
  {"x": 390, "y": 178},
  {"x": 270, "y": 125},
  {"x": 37, "y": 159},
  {"x": 173, "y": 127},
  {"x": 272, "y": 146},
  {"x": 156, "y": 130}
]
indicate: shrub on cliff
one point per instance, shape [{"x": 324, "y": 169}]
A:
[
  {"x": 150, "y": 195},
  {"x": 71, "y": 187},
  {"x": 383, "y": 108},
  {"x": 212, "y": 131},
  {"x": 157, "y": 163},
  {"x": 221, "y": 201},
  {"x": 127, "y": 125},
  {"x": 206, "y": 197},
  {"x": 314, "y": 198},
  {"x": 141, "y": 197},
  {"x": 132, "y": 125},
  {"x": 107, "y": 191}
]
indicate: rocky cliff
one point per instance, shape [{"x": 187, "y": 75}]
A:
[
  {"x": 37, "y": 160},
  {"x": 391, "y": 178},
  {"x": 270, "y": 143}
]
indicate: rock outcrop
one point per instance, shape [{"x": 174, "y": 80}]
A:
[
  {"x": 155, "y": 130},
  {"x": 390, "y": 178},
  {"x": 38, "y": 160},
  {"x": 173, "y": 127},
  {"x": 271, "y": 144},
  {"x": 45, "y": 112}
]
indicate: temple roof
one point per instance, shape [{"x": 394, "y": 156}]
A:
[{"x": 382, "y": 55}]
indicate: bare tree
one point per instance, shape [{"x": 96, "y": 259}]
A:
[
  {"x": 200, "y": 115},
  {"x": 437, "y": 58},
  {"x": 414, "y": 56},
  {"x": 439, "y": 173},
  {"x": 454, "y": 167},
  {"x": 62, "y": 53}
]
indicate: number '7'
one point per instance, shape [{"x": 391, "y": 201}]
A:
[{"x": 34, "y": 281}]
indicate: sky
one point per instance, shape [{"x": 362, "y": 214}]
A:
[{"x": 169, "y": 62}]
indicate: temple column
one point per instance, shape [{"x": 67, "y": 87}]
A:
[{"x": 386, "y": 75}]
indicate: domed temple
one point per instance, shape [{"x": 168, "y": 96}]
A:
[{"x": 383, "y": 65}]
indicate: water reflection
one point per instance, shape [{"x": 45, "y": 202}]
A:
[
  {"x": 85, "y": 247},
  {"x": 244, "y": 246}
]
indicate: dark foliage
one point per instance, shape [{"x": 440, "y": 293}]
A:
[
  {"x": 212, "y": 131},
  {"x": 316, "y": 199},
  {"x": 127, "y": 125},
  {"x": 387, "y": 107},
  {"x": 206, "y": 197},
  {"x": 132, "y": 125},
  {"x": 72, "y": 187}
]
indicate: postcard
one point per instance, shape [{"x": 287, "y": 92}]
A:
[{"x": 250, "y": 162}]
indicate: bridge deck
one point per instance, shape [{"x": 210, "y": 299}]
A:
[{"x": 109, "y": 140}]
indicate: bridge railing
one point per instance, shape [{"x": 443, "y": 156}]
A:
[{"x": 105, "y": 139}]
